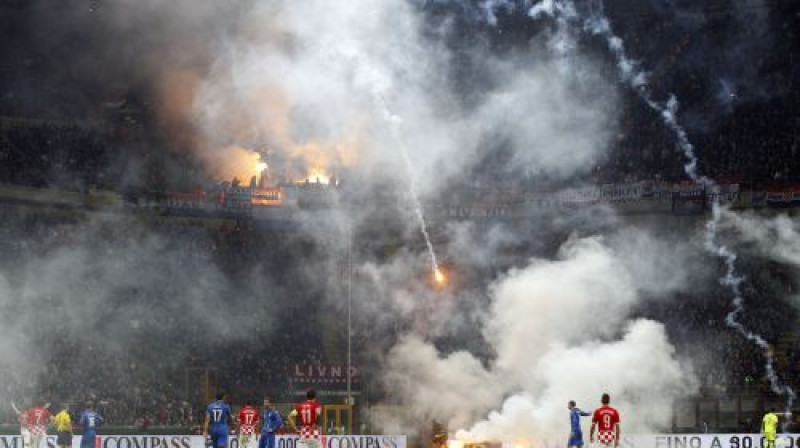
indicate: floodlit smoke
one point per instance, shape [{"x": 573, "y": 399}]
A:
[
  {"x": 560, "y": 330},
  {"x": 584, "y": 372},
  {"x": 435, "y": 385},
  {"x": 349, "y": 76}
]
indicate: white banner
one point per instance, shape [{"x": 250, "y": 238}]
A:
[
  {"x": 709, "y": 441},
  {"x": 672, "y": 441},
  {"x": 394, "y": 441},
  {"x": 184, "y": 441}
]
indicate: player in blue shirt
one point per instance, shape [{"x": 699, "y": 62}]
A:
[
  {"x": 272, "y": 422},
  {"x": 216, "y": 426},
  {"x": 575, "y": 434},
  {"x": 90, "y": 420}
]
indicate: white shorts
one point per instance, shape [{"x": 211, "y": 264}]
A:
[
  {"x": 246, "y": 439},
  {"x": 32, "y": 438}
]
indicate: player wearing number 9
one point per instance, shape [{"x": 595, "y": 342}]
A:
[
  {"x": 218, "y": 419},
  {"x": 605, "y": 421}
]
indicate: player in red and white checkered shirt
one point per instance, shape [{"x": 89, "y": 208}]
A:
[
  {"x": 248, "y": 423},
  {"x": 606, "y": 421},
  {"x": 34, "y": 423},
  {"x": 310, "y": 412}
]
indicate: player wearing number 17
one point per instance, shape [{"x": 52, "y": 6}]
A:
[
  {"x": 248, "y": 421},
  {"x": 606, "y": 421},
  {"x": 218, "y": 419}
]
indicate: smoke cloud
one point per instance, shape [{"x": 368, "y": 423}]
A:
[{"x": 561, "y": 329}]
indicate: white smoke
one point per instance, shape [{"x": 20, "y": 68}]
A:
[
  {"x": 777, "y": 237},
  {"x": 561, "y": 330},
  {"x": 640, "y": 371},
  {"x": 339, "y": 83}
]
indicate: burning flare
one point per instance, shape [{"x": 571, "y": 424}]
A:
[
  {"x": 317, "y": 175},
  {"x": 439, "y": 276}
]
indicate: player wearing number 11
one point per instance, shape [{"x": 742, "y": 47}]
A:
[
  {"x": 216, "y": 426},
  {"x": 310, "y": 413}
]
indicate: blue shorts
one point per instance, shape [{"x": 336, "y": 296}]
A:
[
  {"x": 64, "y": 438},
  {"x": 267, "y": 440},
  {"x": 87, "y": 440},
  {"x": 575, "y": 439},
  {"x": 219, "y": 437}
]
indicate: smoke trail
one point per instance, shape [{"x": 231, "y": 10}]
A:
[
  {"x": 598, "y": 24},
  {"x": 733, "y": 281},
  {"x": 394, "y": 122}
]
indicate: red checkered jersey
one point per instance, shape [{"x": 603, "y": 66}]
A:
[
  {"x": 248, "y": 420},
  {"x": 36, "y": 419},
  {"x": 308, "y": 412},
  {"x": 606, "y": 418}
]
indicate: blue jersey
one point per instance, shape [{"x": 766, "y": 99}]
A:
[
  {"x": 575, "y": 415},
  {"x": 90, "y": 421},
  {"x": 218, "y": 413},
  {"x": 272, "y": 421}
]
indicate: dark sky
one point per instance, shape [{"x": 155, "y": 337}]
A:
[{"x": 80, "y": 52}]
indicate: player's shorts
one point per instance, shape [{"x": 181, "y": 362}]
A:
[
  {"x": 267, "y": 440},
  {"x": 770, "y": 436},
  {"x": 606, "y": 437},
  {"x": 64, "y": 438},
  {"x": 245, "y": 439},
  {"x": 87, "y": 440},
  {"x": 310, "y": 436},
  {"x": 26, "y": 437},
  {"x": 36, "y": 438},
  {"x": 219, "y": 438},
  {"x": 575, "y": 439}
]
